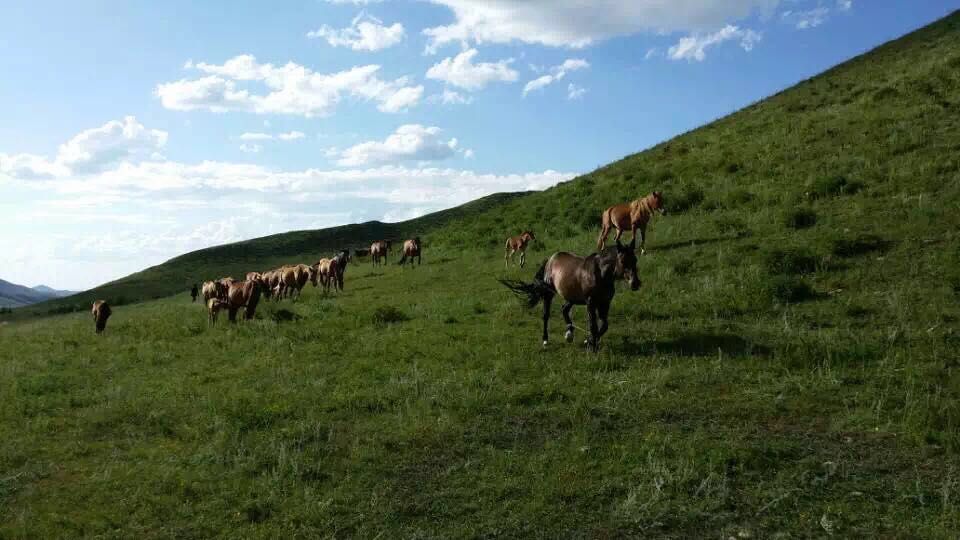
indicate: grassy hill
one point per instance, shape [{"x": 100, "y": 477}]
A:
[{"x": 788, "y": 369}]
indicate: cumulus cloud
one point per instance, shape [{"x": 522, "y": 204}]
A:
[
  {"x": 556, "y": 73},
  {"x": 411, "y": 142},
  {"x": 251, "y": 148},
  {"x": 462, "y": 72},
  {"x": 90, "y": 151},
  {"x": 293, "y": 89},
  {"x": 365, "y": 33},
  {"x": 694, "y": 47},
  {"x": 576, "y": 24}
]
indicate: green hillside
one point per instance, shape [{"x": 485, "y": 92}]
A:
[{"x": 788, "y": 369}]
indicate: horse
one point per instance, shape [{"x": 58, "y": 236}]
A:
[
  {"x": 327, "y": 273},
  {"x": 580, "y": 281},
  {"x": 411, "y": 249},
  {"x": 379, "y": 251},
  {"x": 634, "y": 215},
  {"x": 515, "y": 244},
  {"x": 341, "y": 259}
]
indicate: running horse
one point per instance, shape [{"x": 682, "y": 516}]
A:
[
  {"x": 586, "y": 281},
  {"x": 515, "y": 244},
  {"x": 411, "y": 249},
  {"x": 633, "y": 215}
]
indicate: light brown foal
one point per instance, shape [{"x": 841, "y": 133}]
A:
[{"x": 515, "y": 244}]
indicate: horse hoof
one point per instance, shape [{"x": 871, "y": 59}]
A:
[
  {"x": 544, "y": 343},
  {"x": 569, "y": 336}
]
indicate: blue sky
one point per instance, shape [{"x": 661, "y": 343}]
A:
[{"x": 135, "y": 131}]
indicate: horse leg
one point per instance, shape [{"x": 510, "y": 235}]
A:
[
  {"x": 523, "y": 258},
  {"x": 619, "y": 234},
  {"x": 594, "y": 339},
  {"x": 566, "y": 317},
  {"x": 547, "y": 300},
  {"x": 643, "y": 238},
  {"x": 633, "y": 231},
  {"x": 419, "y": 259},
  {"x": 602, "y": 241},
  {"x": 602, "y": 311}
]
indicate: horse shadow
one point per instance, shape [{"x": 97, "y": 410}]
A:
[{"x": 693, "y": 345}]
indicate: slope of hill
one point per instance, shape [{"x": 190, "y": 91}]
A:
[
  {"x": 787, "y": 370},
  {"x": 13, "y": 295}
]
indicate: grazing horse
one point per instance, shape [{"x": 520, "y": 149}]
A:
[
  {"x": 379, "y": 251},
  {"x": 580, "y": 281},
  {"x": 515, "y": 244},
  {"x": 411, "y": 249},
  {"x": 633, "y": 216},
  {"x": 101, "y": 312},
  {"x": 242, "y": 294}
]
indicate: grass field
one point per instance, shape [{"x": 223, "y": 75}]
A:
[{"x": 789, "y": 367}]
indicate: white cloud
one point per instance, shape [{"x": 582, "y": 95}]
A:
[
  {"x": 844, "y": 5},
  {"x": 354, "y": 2},
  {"x": 575, "y": 92},
  {"x": 461, "y": 72},
  {"x": 804, "y": 20},
  {"x": 251, "y": 148},
  {"x": 411, "y": 142},
  {"x": 556, "y": 73},
  {"x": 90, "y": 151},
  {"x": 365, "y": 33},
  {"x": 257, "y": 136},
  {"x": 293, "y": 89},
  {"x": 651, "y": 53},
  {"x": 450, "y": 97},
  {"x": 576, "y": 24},
  {"x": 694, "y": 47}
]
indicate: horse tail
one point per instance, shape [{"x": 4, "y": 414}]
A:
[{"x": 530, "y": 293}]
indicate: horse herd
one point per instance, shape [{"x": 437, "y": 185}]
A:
[{"x": 588, "y": 281}]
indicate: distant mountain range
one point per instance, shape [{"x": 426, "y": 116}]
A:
[{"x": 13, "y": 295}]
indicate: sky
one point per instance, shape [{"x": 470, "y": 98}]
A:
[{"x": 133, "y": 132}]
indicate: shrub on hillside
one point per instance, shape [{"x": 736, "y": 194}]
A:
[
  {"x": 789, "y": 289},
  {"x": 386, "y": 315},
  {"x": 685, "y": 200},
  {"x": 790, "y": 261},
  {"x": 832, "y": 186},
  {"x": 861, "y": 245},
  {"x": 800, "y": 218}
]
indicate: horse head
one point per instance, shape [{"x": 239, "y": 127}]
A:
[{"x": 658, "y": 205}]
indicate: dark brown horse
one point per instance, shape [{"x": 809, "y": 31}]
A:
[
  {"x": 518, "y": 243},
  {"x": 634, "y": 215},
  {"x": 580, "y": 281},
  {"x": 101, "y": 312},
  {"x": 411, "y": 249}
]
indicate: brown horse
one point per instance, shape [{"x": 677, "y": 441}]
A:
[
  {"x": 379, "y": 251},
  {"x": 580, "y": 281},
  {"x": 326, "y": 273},
  {"x": 101, "y": 312},
  {"x": 515, "y": 244},
  {"x": 411, "y": 249},
  {"x": 633, "y": 216}
]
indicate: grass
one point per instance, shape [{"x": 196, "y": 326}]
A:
[{"x": 766, "y": 380}]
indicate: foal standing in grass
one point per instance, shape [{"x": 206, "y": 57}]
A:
[
  {"x": 586, "y": 281},
  {"x": 515, "y": 244}
]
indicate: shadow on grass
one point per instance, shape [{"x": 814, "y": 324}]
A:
[
  {"x": 670, "y": 246},
  {"x": 698, "y": 344}
]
